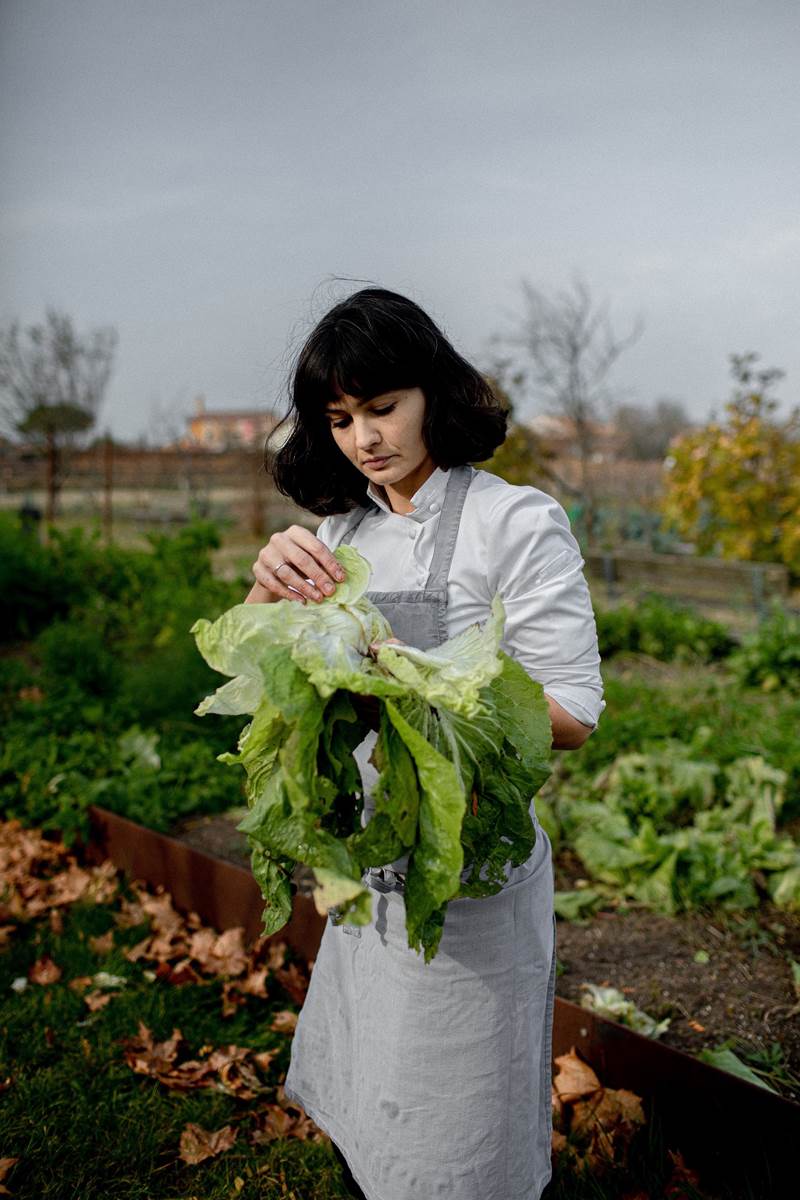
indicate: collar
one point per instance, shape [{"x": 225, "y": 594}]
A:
[{"x": 427, "y": 500}]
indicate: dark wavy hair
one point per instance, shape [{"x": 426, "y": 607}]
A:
[{"x": 374, "y": 342}]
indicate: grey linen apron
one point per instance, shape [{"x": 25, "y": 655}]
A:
[{"x": 434, "y": 1079}]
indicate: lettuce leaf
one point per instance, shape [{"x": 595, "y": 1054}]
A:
[{"x": 463, "y": 744}]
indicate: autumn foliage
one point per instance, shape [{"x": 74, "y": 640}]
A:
[{"x": 733, "y": 486}]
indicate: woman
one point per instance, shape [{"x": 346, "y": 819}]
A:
[{"x": 431, "y": 1079}]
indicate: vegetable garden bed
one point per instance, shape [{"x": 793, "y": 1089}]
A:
[{"x": 699, "y": 1108}]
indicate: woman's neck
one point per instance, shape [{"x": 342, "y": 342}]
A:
[{"x": 398, "y": 495}]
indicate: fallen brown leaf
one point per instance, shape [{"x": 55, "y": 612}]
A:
[
  {"x": 683, "y": 1181},
  {"x": 219, "y": 954},
  {"x": 147, "y": 1057},
  {"x": 80, "y": 983},
  {"x": 44, "y": 971},
  {"x": 179, "y": 973},
  {"x": 575, "y": 1078},
  {"x": 558, "y": 1143},
  {"x": 284, "y": 1021},
  {"x": 198, "y": 1144},
  {"x": 5, "y": 1166},
  {"x": 96, "y": 999},
  {"x": 232, "y": 998},
  {"x": 103, "y": 944},
  {"x": 225, "y": 1069},
  {"x": 263, "y": 1059},
  {"x": 294, "y": 981},
  {"x": 278, "y": 1121},
  {"x": 139, "y": 950}
]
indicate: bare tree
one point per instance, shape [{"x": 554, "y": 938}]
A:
[
  {"x": 570, "y": 347},
  {"x": 51, "y": 383},
  {"x": 646, "y": 433}
]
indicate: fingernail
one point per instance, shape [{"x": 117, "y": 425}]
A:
[
  {"x": 340, "y": 575},
  {"x": 327, "y": 588}
]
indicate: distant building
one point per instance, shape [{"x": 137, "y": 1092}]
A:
[
  {"x": 559, "y": 435},
  {"x": 228, "y": 428}
]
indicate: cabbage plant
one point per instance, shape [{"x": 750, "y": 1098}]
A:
[{"x": 463, "y": 745}]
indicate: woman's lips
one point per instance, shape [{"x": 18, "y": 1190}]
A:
[{"x": 378, "y": 462}]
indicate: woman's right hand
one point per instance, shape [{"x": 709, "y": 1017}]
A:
[{"x": 288, "y": 562}]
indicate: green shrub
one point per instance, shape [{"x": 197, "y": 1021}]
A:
[
  {"x": 769, "y": 657},
  {"x": 662, "y": 629},
  {"x": 77, "y": 656}
]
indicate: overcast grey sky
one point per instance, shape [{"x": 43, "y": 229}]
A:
[{"x": 195, "y": 172}]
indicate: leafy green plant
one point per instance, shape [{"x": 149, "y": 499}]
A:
[
  {"x": 769, "y": 657},
  {"x": 651, "y": 844},
  {"x": 664, "y": 630}
]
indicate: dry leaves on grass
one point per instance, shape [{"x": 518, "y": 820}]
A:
[
  {"x": 284, "y": 1119},
  {"x": 186, "y": 951},
  {"x": 229, "y": 1069},
  {"x": 39, "y": 875},
  {"x": 594, "y": 1124},
  {"x": 198, "y": 1144}
]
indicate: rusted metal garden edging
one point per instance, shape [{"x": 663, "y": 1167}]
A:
[
  {"x": 221, "y": 893},
  {"x": 720, "y": 1122}
]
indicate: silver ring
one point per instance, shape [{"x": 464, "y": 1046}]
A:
[{"x": 280, "y": 564}]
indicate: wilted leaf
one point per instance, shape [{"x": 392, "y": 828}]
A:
[
  {"x": 103, "y": 944},
  {"x": 178, "y": 973},
  {"x": 96, "y": 1000},
  {"x": 5, "y": 1166},
  {"x": 44, "y": 971},
  {"x": 198, "y": 1144},
  {"x": 134, "y": 953},
  {"x": 725, "y": 1060},
  {"x": 147, "y": 1057},
  {"x": 294, "y": 981},
  {"x": 232, "y": 999},
  {"x": 219, "y": 954},
  {"x": 575, "y": 1078},
  {"x": 264, "y": 1059},
  {"x": 558, "y": 1143},
  {"x": 284, "y": 1022},
  {"x": 683, "y": 1181}
]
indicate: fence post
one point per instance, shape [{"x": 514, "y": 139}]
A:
[
  {"x": 757, "y": 582},
  {"x": 609, "y": 574},
  {"x": 108, "y": 487}
]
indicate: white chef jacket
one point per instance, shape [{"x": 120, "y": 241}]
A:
[{"x": 512, "y": 540}]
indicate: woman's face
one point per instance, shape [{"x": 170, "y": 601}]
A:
[{"x": 382, "y": 436}]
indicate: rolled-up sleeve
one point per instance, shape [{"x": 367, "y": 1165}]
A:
[{"x": 536, "y": 566}]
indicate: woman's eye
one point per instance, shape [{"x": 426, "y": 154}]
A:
[
  {"x": 380, "y": 411},
  {"x": 338, "y": 424}
]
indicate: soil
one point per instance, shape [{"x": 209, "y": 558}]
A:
[{"x": 744, "y": 991}]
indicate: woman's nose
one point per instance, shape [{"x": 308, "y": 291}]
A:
[{"x": 367, "y": 434}]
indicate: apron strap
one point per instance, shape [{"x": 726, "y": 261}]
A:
[
  {"x": 458, "y": 481},
  {"x": 457, "y": 487}
]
